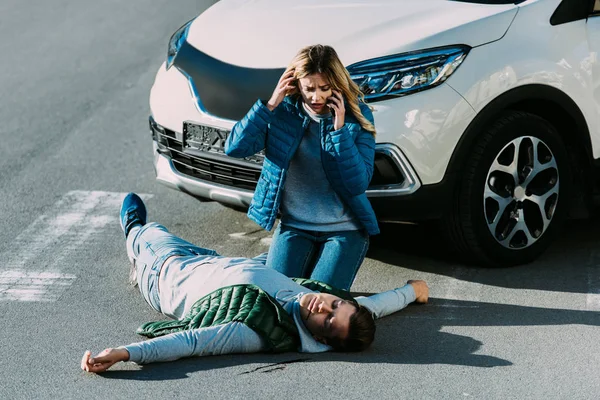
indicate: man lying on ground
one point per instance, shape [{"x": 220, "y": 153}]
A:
[{"x": 224, "y": 305}]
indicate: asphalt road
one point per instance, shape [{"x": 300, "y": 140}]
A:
[{"x": 75, "y": 78}]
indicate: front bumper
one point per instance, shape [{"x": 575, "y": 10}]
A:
[
  {"x": 426, "y": 126},
  {"x": 167, "y": 174},
  {"x": 232, "y": 181}
]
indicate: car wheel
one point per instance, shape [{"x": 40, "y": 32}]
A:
[{"x": 513, "y": 192}]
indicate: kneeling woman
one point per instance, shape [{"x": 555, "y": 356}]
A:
[{"x": 319, "y": 142}]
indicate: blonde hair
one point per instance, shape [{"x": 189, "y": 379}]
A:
[{"x": 321, "y": 59}]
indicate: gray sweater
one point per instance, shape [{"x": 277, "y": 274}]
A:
[{"x": 309, "y": 201}]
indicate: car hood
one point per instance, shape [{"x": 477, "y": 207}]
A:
[{"x": 268, "y": 33}]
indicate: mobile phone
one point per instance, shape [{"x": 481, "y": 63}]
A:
[{"x": 329, "y": 101}]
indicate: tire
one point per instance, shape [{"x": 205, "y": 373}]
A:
[{"x": 507, "y": 209}]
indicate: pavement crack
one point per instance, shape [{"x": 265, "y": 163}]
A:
[
  {"x": 266, "y": 371},
  {"x": 277, "y": 366}
]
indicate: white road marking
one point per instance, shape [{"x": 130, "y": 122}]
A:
[
  {"x": 593, "y": 281},
  {"x": 491, "y": 294},
  {"x": 252, "y": 237},
  {"x": 593, "y": 299},
  {"x": 241, "y": 236},
  {"x": 31, "y": 268},
  {"x": 462, "y": 290},
  {"x": 452, "y": 306},
  {"x": 453, "y": 289},
  {"x": 33, "y": 286}
]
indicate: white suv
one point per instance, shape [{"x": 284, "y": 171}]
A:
[{"x": 487, "y": 112}]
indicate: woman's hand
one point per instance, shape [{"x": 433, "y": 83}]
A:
[
  {"x": 284, "y": 86},
  {"x": 103, "y": 361},
  {"x": 336, "y": 103}
]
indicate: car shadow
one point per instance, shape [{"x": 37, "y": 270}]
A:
[
  {"x": 413, "y": 336},
  {"x": 571, "y": 264}
]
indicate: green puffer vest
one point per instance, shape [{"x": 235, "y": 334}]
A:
[{"x": 249, "y": 305}]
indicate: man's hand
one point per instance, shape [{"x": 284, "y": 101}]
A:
[
  {"x": 421, "y": 290},
  {"x": 104, "y": 360}
]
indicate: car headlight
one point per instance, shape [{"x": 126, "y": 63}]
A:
[
  {"x": 402, "y": 74},
  {"x": 176, "y": 41}
]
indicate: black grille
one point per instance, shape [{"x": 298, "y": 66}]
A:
[
  {"x": 206, "y": 166},
  {"x": 244, "y": 174},
  {"x": 386, "y": 171}
]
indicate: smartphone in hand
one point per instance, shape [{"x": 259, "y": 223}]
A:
[{"x": 329, "y": 101}]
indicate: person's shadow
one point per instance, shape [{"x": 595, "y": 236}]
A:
[
  {"x": 570, "y": 265},
  {"x": 412, "y": 336}
]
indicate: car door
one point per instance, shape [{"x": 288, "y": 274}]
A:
[{"x": 593, "y": 32}]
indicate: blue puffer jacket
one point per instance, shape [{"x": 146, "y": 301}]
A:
[{"x": 347, "y": 156}]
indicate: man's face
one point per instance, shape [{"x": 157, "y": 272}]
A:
[{"x": 326, "y": 315}]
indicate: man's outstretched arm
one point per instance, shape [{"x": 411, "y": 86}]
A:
[
  {"x": 234, "y": 337},
  {"x": 104, "y": 360},
  {"x": 390, "y": 301}
]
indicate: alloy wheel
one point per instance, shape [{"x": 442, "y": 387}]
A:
[{"x": 521, "y": 192}]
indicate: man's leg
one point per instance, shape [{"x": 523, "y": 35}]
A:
[{"x": 149, "y": 246}]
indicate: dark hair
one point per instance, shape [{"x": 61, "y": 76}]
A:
[{"x": 361, "y": 332}]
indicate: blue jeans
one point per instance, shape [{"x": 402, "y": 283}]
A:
[
  {"x": 148, "y": 248},
  {"x": 330, "y": 257}
]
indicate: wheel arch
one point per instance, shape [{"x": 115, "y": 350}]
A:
[{"x": 554, "y": 106}]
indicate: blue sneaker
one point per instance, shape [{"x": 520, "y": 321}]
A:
[{"x": 133, "y": 212}]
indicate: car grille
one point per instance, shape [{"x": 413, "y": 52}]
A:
[
  {"x": 244, "y": 174},
  {"x": 216, "y": 168}
]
